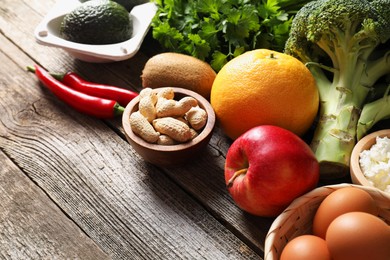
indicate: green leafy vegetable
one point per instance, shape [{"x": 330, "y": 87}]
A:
[{"x": 219, "y": 30}]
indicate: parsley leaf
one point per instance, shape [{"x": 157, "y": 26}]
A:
[{"x": 219, "y": 30}]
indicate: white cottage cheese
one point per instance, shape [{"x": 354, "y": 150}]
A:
[{"x": 375, "y": 164}]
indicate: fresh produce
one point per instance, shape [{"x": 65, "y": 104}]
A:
[
  {"x": 75, "y": 81},
  {"x": 128, "y": 4},
  {"x": 196, "y": 117},
  {"x": 142, "y": 127},
  {"x": 147, "y": 104},
  {"x": 306, "y": 247},
  {"x": 358, "y": 236},
  {"x": 352, "y": 221},
  {"x": 345, "y": 44},
  {"x": 97, "y": 22},
  {"x": 165, "y": 140},
  {"x": 178, "y": 70},
  {"x": 84, "y": 103},
  {"x": 268, "y": 167},
  {"x": 163, "y": 120},
  {"x": 264, "y": 87},
  {"x": 217, "y": 31},
  {"x": 174, "y": 128},
  {"x": 173, "y": 108},
  {"x": 341, "y": 201}
]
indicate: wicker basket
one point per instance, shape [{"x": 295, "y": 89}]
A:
[{"x": 297, "y": 218}]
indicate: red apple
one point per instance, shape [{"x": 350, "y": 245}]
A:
[{"x": 267, "y": 167}]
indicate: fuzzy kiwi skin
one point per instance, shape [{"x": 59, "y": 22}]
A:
[{"x": 178, "y": 70}]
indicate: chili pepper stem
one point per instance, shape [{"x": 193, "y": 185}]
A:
[
  {"x": 30, "y": 68},
  {"x": 118, "y": 109},
  {"x": 57, "y": 76}
]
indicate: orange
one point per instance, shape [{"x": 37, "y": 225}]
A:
[{"x": 264, "y": 87}]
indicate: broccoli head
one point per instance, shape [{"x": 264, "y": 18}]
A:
[{"x": 345, "y": 44}]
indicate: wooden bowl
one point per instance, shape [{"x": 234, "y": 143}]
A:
[
  {"x": 168, "y": 155},
  {"x": 297, "y": 218},
  {"x": 365, "y": 143}
]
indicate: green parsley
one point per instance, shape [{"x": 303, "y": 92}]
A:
[{"x": 219, "y": 30}]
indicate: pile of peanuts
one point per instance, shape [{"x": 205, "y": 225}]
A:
[{"x": 163, "y": 120}]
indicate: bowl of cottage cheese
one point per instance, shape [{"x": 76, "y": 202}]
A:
[{"x": 370, "y": 161}]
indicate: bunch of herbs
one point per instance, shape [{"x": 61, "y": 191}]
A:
[{"x": 218, "y": 30}]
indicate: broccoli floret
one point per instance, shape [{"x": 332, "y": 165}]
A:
[{"x": 345, "y": 44}]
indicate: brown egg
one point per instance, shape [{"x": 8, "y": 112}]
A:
[
  {"x": 341, "y": 201},
  {"x": 358, "y": 236},
  {"x": 306, "y": 247}
]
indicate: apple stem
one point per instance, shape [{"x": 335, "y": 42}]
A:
[{"x": 235, "y": 175}]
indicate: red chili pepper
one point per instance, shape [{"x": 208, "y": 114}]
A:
[
  {"x": 121, "y": 95},
  {"x": 84, "y": 103},
  {"x": 75, "y": 81}
]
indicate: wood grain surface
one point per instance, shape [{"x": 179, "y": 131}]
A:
[{"x": 32, "y": 226}]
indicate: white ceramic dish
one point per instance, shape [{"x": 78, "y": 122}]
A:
[{"x": 47, "y": 33}]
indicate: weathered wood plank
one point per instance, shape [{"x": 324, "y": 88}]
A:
[
  {"x": 32, "y": 226},
  {"x": 130, "y": 209}
]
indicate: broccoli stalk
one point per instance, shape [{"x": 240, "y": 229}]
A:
[
  {"x": 341, "y": 41},
  {"x": 372, "y": 113}
]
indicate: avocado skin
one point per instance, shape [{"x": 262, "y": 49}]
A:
[
  {"x": 128, "y": 4},
  {"x": 97, "y": 22}
]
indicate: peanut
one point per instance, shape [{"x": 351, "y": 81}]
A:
[
  {"x": 183, "y": 120},
  {"x": 165, "y": 140},
  {"x": 173, "y": 108},
  {"x": 166, "y": 93},
  {"x": 165, "y": 121},
  {"x": 141, "y": 127},
  {"x": 145, "y": 92},
  {"x": 197, "y": 117},
  {"x": 193, "y": 133},
  {"x": 174, "y": 128},
  {"x": 147, "y": 102}
]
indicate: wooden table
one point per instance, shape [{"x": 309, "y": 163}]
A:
[{"x": 71, "y": 187}]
